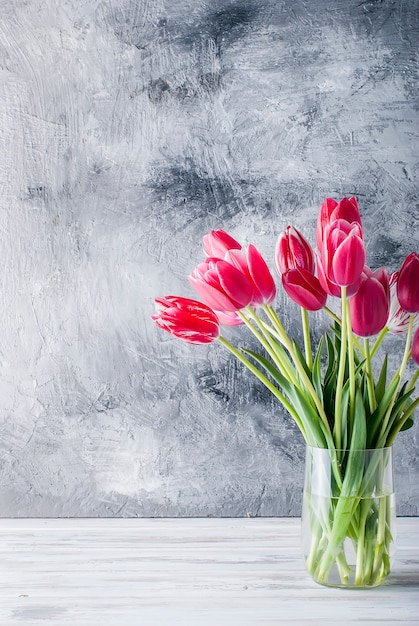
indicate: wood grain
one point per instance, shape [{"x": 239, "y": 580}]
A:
[{"x": 130, "y": 572}]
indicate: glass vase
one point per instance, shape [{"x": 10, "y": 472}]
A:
[{"x": 348, "y": 520}]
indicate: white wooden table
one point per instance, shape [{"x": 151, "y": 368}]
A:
[{"x": 218, "y": 572}]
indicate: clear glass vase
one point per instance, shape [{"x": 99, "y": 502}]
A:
[{"x": 348, "y": 516}]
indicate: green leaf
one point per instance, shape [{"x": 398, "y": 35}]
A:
[
  {"x": 345, "y": 431},
  {"x": 301, "y": 358},
  {"x": 380, "y": 387},
  {"x": 402, "y": 399},
  {"x": 400, "y": 424},
  {"x": 399, "y": 408},
  {"x": 376, "y": 420},
  {"x": 330, "y": 378},
  {"x": 312, "y": 422},
  {"x": 408, "y": 424},
  {"x": 354, "y": 471},
  {"x": 316, "y": 374},
  {"x": 331, "y": 359}
]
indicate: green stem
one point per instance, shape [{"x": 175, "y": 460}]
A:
[
  {"x": 351, "y": 362},
  {"x": 307, "y": 340},
  {"x": 341, "y": 375},
  {"x": 339, "y": 321},
  {"x": 378, "y": 341},
  {"x": 264, "y": 339},
  {"x": 256, "y": 372},
  {"x": 282, "y": 362},
  {"x": 360, "y": 552},
  {"x": 399, "y": 375},
  {"x": 370, "y": 378},
  {"x": 301, "y": 371},
  {"x": 334, "y": 317},
  {"x": 413, "y": 381},
  {"x": 381, "y": 534}
]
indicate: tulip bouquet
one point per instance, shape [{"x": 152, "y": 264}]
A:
[{"x": 342, "y": 400}]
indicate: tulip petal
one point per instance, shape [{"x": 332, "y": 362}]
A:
[
  {"x": 213, "y": 297},
  {"x": 325, "y": 212},
  {"x": 304, "y": 288},
  {"x": 398, "y": 318},
  {"x": 347, "y": 209},
  {"x": 221, "y": 285},
  {"x": 186, "y": 319},
  {"x": 250, "y": 262},
  {"x": 369, "y": 307},
  {"x": 348, "y": 261},
  {"x": 229, "y": 318},
  {"x": 408, "y": 284},
  {"x": 293, "y": 250},
  {"x": 235, "y": 284},
  {"x": 218, "y": 242},
  {"x": 261, "y": 275}
]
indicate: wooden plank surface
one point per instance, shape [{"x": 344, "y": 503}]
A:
[{"x": 140, "y": 572}]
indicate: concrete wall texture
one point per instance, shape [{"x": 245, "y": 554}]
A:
[{"x": 129, "y": 129}]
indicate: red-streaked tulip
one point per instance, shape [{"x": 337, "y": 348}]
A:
[
  {"x": 186, "y": 319},
  {"x": 398, "y": 318},
  {"x": 218, "y": 242},
  {"x": 343, "y": 253},
  {"x": 292, "y": 251},
  {"x": 370, "y": 305},
  {"x": 330, "y": 210},
  {"x": 250, "y": 262},
  {"x": 304, "y": 288},
  {"x": 221, "y": 286},
  {"x": 408, "y": 283},
  {"x": 415, "y": 347}
]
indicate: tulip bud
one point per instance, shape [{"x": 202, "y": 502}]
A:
[
  {"x": 293, "y": 250},
  {"x": 343, "y": 253},
  {"x": 398, "y": 318},
  {"x": 304, "y": 288},
  {"x": 218, "y": 242},
  {"x": 408, "y": 283},
  {"x": 186, "y": 319},
  {"x": 331, "y": 210},
  {"x": 415, "y": 347},
  {"x": 253, "y": 266},
  {"x": 221, "y": 285},
  {"x": 370, "y": 305},
  {"x": 332, "y": 289}
]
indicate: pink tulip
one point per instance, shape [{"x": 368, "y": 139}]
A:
[
  {"x": 218, "y": 242},
  {"x": 186, "y": 319},
  {"x": 221, "y": 286},
  {"x": 331, "y": 210},
  {"x": 415, "y": 347},
  {"x": 292, "y": 251},
  {"x": 370, "y": 305},
  {"x": 332, "y": 289},
  {"x": 250, "y": 262},
  {"x": 304, "y": 288},
  {"x": 229, "y": 318},
  {"x": 343, "y": 253},
  {"x": 398, "y": 318},
  {"x": 408, "y": 283}
]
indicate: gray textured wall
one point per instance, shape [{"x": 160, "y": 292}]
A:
[{"x": 128, "y": 129}]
